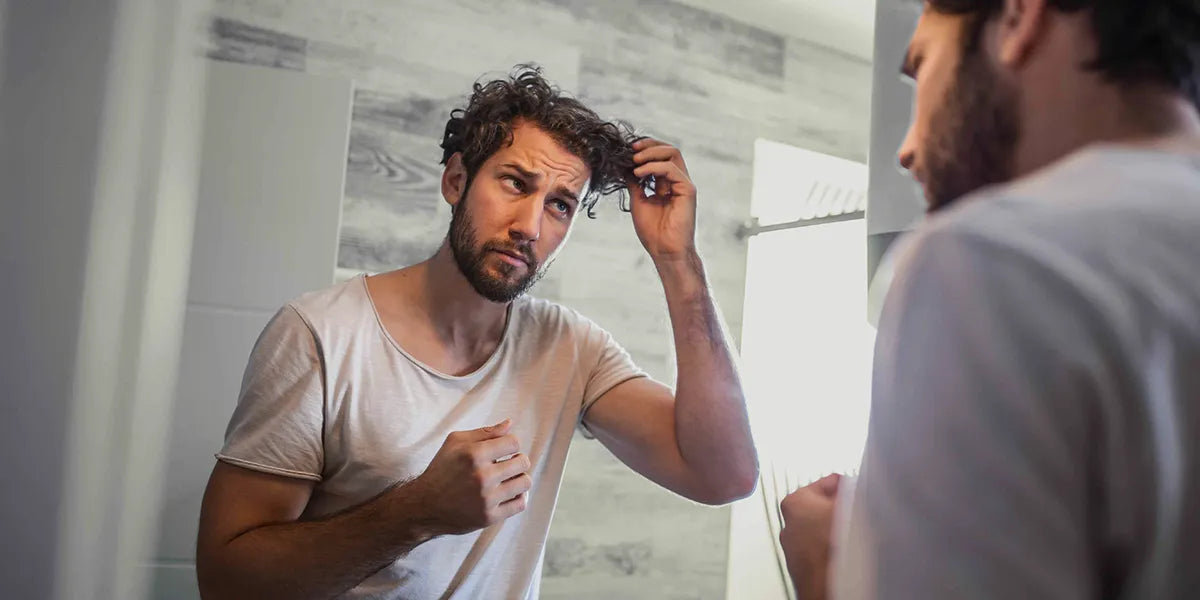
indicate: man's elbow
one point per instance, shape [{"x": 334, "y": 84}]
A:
[
  {"x": 215, "y": 579},
  {"x": 209, "y": 578},
  {"x": 732, "y": 488}
]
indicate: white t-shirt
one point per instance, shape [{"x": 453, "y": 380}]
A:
[
  {"x": 329, "y": 396},
  {"x": 1035, "y": 426}
]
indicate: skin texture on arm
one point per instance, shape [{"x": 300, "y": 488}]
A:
[{"x": 695, "y": 441}]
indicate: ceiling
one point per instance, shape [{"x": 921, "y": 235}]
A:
[{"x": 846, "y": 25}]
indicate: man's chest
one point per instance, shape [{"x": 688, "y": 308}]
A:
[{"x": 384, "y": 425}]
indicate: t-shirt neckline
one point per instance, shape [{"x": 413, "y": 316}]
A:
[{"x": 484, "y": 368}]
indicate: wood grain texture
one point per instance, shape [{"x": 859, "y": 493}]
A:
[
  {"x": 233, "y": 41},
  {"x": 705, "y": 82}
]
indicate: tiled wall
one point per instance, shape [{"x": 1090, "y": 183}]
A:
[{"x": 704, "y": 82}]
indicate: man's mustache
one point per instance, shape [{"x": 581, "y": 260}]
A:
[{"x": 524, "y": 252}]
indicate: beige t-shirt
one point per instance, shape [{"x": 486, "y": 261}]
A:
[
  {"x": 329, "y": 396},
  {"x": 1035, "y": 417}
]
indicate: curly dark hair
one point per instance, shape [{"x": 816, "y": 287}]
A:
[
  {"x": 480, "y": 129},
  {"x": 1140, "y": 41}
]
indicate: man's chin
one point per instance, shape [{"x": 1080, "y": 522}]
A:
[
  {"x": 936, "y": 200},
  {"x": 499, "y": 290}
]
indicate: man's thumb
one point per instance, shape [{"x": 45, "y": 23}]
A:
[
  {"x": 828, "y": 485},
  {"x": 493, "y": 431}
]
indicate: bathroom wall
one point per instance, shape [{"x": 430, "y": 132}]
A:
[
  {"x": 895, "y": 200},
  {"x": 703, "y": 81}
]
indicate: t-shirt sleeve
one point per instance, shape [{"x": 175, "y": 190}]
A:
[
  {"x": 610, "y": 365},
  {"x": 973, "y": 483},
  {"x": 277, "y": 425}
]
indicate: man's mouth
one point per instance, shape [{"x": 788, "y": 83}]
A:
[{"x": 512, "y": 257}]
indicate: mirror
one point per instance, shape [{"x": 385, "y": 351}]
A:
[{"x": 321, "y": 162}]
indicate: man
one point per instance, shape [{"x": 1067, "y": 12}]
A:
[
  {"x": 1036, "y": 401},
  {"x": 404, "y": 435}
]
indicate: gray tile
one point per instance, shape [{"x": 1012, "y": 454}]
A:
[
  {"x": 374, "y": 250},
  {"x": 418, "y": 114},
  {"x": 713, "y": 41},
  {"x": 398, "y": 171},
  {"x": 234, "y": 41}
]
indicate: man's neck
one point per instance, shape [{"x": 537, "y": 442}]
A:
[
  {"x": 1143, "y": 117},
  {"x": 437, "y": 291}
]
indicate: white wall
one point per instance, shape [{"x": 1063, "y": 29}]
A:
[
  {"x": 97, "y": 153},
  {"x": 272, "y": 172}
]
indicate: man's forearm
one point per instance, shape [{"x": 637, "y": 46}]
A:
[
  {"x": 711, "y": 424},
  {"x": 316, "y": 559}
]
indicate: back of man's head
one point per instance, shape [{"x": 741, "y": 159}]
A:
[
  {"x": 1005, "y": 87},
  {"x": 1139, "y": 41}
]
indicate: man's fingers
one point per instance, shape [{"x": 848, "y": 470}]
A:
[
  {"x": 489, "y": 451},
  {"x": 827, "y": 485},
  {"x": 486, "y": 433},
  {"x": 657, "y": 153},
  {"x": 511, "y": 507},
  {"x": 792, "y": 504},
  {"x": 668, "y": 178},
  {"x": 507, "y": 469},
  {"x": 646, "y": 142},
  {"x": 660, "y": 168},
  {"x": 816, "y": 497},
  {"x": 511, "y": 488}
]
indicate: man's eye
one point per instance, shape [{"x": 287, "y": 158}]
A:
[
  {"x": 562, "y": 207},
  {"x": 515, "y": 184}
]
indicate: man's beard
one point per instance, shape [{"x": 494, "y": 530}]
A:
[
  {"x": 472, "y": 260},
  {"x": 973, "y": 138}
]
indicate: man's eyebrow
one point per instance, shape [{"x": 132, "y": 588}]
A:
[
  {"x": 568, "y": 194},
  {"x": 526, "y": 173}
]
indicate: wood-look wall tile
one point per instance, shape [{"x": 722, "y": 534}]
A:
[
  {"x": 234, "y": 41},
  {"x": 689, "y": 35}
]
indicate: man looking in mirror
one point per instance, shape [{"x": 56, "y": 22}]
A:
[{"x": 404, "y": 435}]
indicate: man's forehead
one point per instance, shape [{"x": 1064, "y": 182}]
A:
[
  {"x": 537, "y": 152},
  {"x": 937, "y": 23},
  {"x": 934, "y": 27}
]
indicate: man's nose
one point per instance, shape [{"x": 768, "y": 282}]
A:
[
  {"x": 527, "y": 223},
  {"x": 908, "y": 151}
]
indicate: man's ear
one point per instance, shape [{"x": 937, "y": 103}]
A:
[
  {"x": 454, "y": 180},
  {"x": 1022, "y": 27}
]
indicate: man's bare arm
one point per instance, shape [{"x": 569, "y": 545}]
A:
[{"x": 253, "y": 545}]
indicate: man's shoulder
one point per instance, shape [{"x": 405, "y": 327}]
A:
[
  {"x": 1089, "y": 236},
  {"x": 548, "y": 316},
  {"x": 548, "y": 323},
  {"x": 1101, "y": 187},
  {"x": 1093, "y": 207},
  {"x": 340, "y": 303}
]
